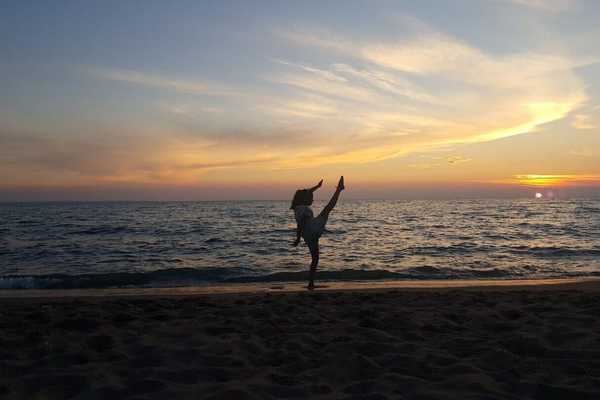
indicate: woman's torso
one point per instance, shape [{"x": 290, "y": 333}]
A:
[{"x": 303, "y": 212}]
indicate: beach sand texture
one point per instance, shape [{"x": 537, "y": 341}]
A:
[{"x": 512, "y": 342}]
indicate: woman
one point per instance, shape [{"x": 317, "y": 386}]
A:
[{"x": 309, "y": 227}]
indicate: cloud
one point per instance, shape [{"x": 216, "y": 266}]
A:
[
  {"x": 427, "y": 161},
  {"x": 432, "y": 53},
  {"x": 122, "y": 156},
  {"x": 190, "y": 110},
  {"x": 430, "y": 89},
  {"x": 557, "y": 180},
  {"x": 424, "y": 165},
  {"x": 312, "y": 107},
  {"x": 442, "y": 56},
  {"x": 317, "y": 83},
  {"x": 582, "y": 153},
  {"x": 228, "y": 164},
  {"x": 546, "y": 5},
  {"x": 582, "y": 121},
  {"x": 161, "y": 82},
  {"x": 457, "y": 159},
  {"x": 363, "y": 101},
  {"x": 324, "y": 74},
  {"x": 373, "y": 100},
  {"x": 52, "y": 157},
  {"x": 387, "y": 82}
]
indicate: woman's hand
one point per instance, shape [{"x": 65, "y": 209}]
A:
[{"x": 312, "y": 189}]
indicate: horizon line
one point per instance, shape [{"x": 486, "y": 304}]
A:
[{"x": 594, "y": 197}]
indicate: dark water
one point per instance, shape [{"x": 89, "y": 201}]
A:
[{"x": 186, "y": 243}]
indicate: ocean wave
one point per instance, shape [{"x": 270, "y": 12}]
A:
[
  {"x": 467, "y": 273},
  {"x": 555, "y": 252},
  {"x": 174, "y": 277},
  {"x": 164, "y": 277},
  {"x": 102, "y": 230},
  {"x": 29, "y": 222},
  {"x": 455, "y": 249},
  {"x": 214, "y": 240}
]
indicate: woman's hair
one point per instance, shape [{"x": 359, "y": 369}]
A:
[{"x": 302, "y": 197}]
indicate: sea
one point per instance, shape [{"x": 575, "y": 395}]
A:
[{"x": 67, "y": 245}]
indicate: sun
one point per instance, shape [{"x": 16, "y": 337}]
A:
[{"x": 538, "y": 195}]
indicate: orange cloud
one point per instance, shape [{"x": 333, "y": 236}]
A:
[{"x": 557, "y": 180}]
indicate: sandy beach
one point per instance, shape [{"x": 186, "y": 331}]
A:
[{"x": 377, "y": 341}]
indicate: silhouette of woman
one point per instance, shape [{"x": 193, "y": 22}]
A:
[{"x": 309, "y": 227}]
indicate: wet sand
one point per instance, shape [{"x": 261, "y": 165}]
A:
[{"x": 354, "y": 341}]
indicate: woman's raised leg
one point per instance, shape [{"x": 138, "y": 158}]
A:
[{"x": 333, "y": 200}]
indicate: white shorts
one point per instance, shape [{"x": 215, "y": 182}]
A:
[{"x": 314, "y": 228}]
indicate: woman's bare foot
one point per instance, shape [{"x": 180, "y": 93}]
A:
[{"x": 340, "y": 185}]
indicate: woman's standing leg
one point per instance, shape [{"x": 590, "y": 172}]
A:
[{"x": 313, "y": 246}]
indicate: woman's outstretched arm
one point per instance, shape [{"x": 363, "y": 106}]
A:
[{"x": 318, "y": 185}]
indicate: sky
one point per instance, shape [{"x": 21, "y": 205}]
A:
[{"x": 208, "y": 100}]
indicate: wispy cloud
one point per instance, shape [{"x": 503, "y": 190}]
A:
[
  {"x": 369, "y": 100},
  {"x": 426, "y": 161},
  {"x": 582, "y": 121},
  {"x": 457, "y": 159},
  {"x": 478, "y": 96},
  {"x": 387, "y": 82},
  {"x": 324, "y": 74},
  {"x": 424, "y": 165},
  {"x": 93, "y": 154},
  {"x": 432, "y": 53},
  {"x": 582, "y": 153},
  {"x": 546, "y": 5},
  {"x": 228, "y": 164},
  {"x": 191, "y": 110},
  {"x": 162, "y": 82},
  {"x": 119, "y": 156},
  {"x": 318, "y": 83},
  {"x": 386, "y": 98},
  {"x": 310, "y": 107}
]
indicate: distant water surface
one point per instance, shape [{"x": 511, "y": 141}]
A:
[{"x": 63, "y": 245}]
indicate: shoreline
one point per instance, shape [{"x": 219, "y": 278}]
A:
[{"x": 587, "y": 284}]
